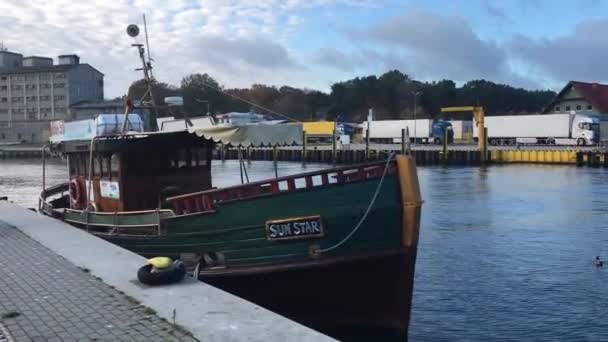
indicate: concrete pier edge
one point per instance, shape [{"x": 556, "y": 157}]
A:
[{"x": 208, "y": 313}]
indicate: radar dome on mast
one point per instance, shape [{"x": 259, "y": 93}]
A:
[{"x": 133, "y": 30}]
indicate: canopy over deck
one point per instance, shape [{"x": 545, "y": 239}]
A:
[{"x": 253, "y": 135}]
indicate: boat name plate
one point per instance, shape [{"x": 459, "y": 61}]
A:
[{"x": 295, "y": 228}]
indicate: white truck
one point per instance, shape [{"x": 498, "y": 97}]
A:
[
  {"x": 423, "y": 131},
  {"x": 547, "y": 129}
]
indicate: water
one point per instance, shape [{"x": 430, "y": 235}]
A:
[{"x": 505, "y": 252}]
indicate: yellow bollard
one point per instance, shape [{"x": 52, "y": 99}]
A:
[
  {"x": 518, "y": 157},
  {"x": 557, "y": 157},
  {"x": 533, "y": 156}
]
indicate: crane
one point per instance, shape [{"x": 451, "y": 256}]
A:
[{"x": 479, "y": 117}]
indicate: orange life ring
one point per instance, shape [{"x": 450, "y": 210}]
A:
[{"x": 75, "y": 193}]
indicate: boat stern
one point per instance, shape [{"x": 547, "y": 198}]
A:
[{"x": 411, "y": 200}]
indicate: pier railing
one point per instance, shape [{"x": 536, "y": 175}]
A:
[{"x": 207, "y": 201}]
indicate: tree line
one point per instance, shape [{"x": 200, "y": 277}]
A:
[{"x": 393, "y": 95}]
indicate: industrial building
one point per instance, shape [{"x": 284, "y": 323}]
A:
[{"x": 35, "y": 91}]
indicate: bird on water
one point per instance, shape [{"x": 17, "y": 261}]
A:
[{"x": 598, "y": 262}]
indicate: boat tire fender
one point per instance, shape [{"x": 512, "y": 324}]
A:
[
  {"x": 75, "y": 192},
  {"x": 172, "y": 274}
]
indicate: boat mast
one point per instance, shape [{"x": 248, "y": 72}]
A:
[
  {"x": 147, "y": 69},
  {"x": 133, "y": 31}
]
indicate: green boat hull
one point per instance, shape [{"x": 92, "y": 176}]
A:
[{"x": 358, "y": 272}]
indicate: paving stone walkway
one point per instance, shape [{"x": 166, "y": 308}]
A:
[{"x": 43, "y": 297}]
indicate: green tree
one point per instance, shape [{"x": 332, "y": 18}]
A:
[{"x": 202, "y": 92}]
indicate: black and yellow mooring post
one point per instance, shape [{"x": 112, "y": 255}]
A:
[
  {"x": 222, "y": 152},
  {"x": 367, "y": 143},
  {"x": 304, "y": 147}
]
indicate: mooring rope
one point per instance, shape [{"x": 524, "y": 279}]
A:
[{"x": 367, "y": 211}]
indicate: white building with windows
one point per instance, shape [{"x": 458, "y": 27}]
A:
[
  {"x": 35, "y": 91},
  {"x": 583, "y": 98}
]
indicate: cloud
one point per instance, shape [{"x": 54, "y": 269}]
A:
[
  {"x": 438, "y": 46},
  {"x": 578, "y": 55},
  {"x": 426, "y": 46},
  {"x": 234, "y": 54},
  {"x": 239, "y": 42},
  {"x": 358, "y": 60},
  {"x": 494, "y": 11}
]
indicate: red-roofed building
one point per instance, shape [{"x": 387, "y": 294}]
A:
[{"x": 581, "y": 98}]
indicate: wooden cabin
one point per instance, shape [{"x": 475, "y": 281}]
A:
[{"x": 137, "y": 172}]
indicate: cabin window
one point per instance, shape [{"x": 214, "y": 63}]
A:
[
  {"x": 200, "y": 154},
  {"x": 584, "y": 125},
  {"x": 579, "y": 107},
  {"x": 567, "y": 107},
  {"x": 182, "y": 158},
  {"x": 82, "y": 165},
  {"x": 105, "y": 166},
  {"x": 557, "y": 108},
  {"x": 72, "y": 163},
  {"x": 115, "y": 165},
  {"x": 97, "y": 167},
  {"x": 176, "y": 158},
  {"x": 589, "y": 107}
]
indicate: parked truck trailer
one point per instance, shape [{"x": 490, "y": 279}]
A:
[
  {"x": 542, "y": 129},
  {"x": 421, "y": 131}
]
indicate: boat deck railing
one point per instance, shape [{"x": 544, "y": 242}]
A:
[
  {"x": 206, "y": 201},
  {"x": 59, "y": 189}
]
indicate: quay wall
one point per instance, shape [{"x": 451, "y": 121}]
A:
[
  {"x": 455, "y": 155},
  {"x": 208, "y": 313}
]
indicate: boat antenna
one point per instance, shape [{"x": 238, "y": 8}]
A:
[
  {"x": 133, "y": 31},
  {"x": 148, "y": 45}
]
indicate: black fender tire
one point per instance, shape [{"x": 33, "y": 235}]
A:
[{"x": 173, "y": 274}]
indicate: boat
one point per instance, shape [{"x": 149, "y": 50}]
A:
[{"x": 330, "y": 248}]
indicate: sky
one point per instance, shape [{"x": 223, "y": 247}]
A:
[{"x": 535, "y": 44}]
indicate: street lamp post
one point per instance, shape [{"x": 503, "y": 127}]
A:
[
  {"x": 415, "y": 93},
  {"x": 204, "y": 101}
]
